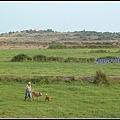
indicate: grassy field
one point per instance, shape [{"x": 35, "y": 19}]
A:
[
  {"x": 69, "y": 100},
  {"x": 58, "y": 68},
  {"x": 7, "y": 54}
]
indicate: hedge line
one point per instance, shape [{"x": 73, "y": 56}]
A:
[{"x": 43, "y": 58}]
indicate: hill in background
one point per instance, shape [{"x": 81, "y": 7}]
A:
[{"x": 45, "y": 38}]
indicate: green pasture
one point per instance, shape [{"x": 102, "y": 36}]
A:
[
  {"x": 69, "y": 100},
  {"x": 58, "y": 68},
  {"x": 7, "y": 55},
  {"x": 76, "y": 100}
]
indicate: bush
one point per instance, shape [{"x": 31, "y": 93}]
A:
[
  {"x": 20, "y": 58},
  {"x": 40, "y": 58},
  {"x": 101, "y": 78},
  {"x": 72, "y": 59},
  {"x": 59, "y": 59},
  {"x": 43, "y": 58},
  {"x": 107, "y": 57}
]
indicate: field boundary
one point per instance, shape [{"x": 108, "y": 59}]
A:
[{"x": 88, "y": 78}]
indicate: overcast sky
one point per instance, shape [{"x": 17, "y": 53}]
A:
[{"x": 62, "y": 16}]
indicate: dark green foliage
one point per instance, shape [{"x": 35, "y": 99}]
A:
[
  {"x": 81, "y": 46},
  {"x": 101, "y": 78},
  {"x": 72, "y": 59},
  {"x": 84, "y": 59},
  {"x": 40, "y": 58},
  {"x": 43, "y": 58},
  {"x": 20, "y": 58},
  {"x": 59, "y": 59},
  {"x": 90, "y": 59},
  {"x": 99, "y": 51},
  {"x": 107, "y": 57}
]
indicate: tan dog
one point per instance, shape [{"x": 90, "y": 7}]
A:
[
  {"x": 36, "y": 95},
  {"x": 48, "y": 98}
]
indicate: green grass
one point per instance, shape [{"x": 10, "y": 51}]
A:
[
  {"x": 7, "y": 55},
  {"x": 76, "y": 100},
  {"x": 57, "y": 68},
  {"x": 69, "y": 99}
]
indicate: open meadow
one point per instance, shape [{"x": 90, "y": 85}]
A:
[
  {"x": 59, "y": 68},
  {"x": 71, "y": 98}
]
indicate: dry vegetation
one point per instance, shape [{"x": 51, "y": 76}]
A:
[{"x": 42, "y": 39}]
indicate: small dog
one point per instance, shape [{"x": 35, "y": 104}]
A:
[
  {"x": 48, "y": 98},
  {"x": 36, "y": 95}
]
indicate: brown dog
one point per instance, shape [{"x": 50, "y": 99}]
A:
[
  {"x": 48, "y": 98},
  {"x": 36, "y": 95}
]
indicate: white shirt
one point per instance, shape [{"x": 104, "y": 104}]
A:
[{"x": 28, "y": 88}]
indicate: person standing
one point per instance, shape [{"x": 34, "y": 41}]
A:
[{"x": 28, "y": 93}]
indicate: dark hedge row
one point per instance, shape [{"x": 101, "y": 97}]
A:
[
  {"x": 80, "y": 46},
  {"x": 43, "y": 58}
]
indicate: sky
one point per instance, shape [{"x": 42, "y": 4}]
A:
[{"x": 61, "y": 16}]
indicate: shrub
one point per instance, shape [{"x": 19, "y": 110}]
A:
[
  {"x": 40, "y": 58},
  {"x": 107, "y": 57},
  {"x": 20, "y": 58},
  {"x": 101, "y": 78},
  {"x": 72, "y": 59},
  {"x": 99, "y": 51},
  {"x": 59, "y": 59}
]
